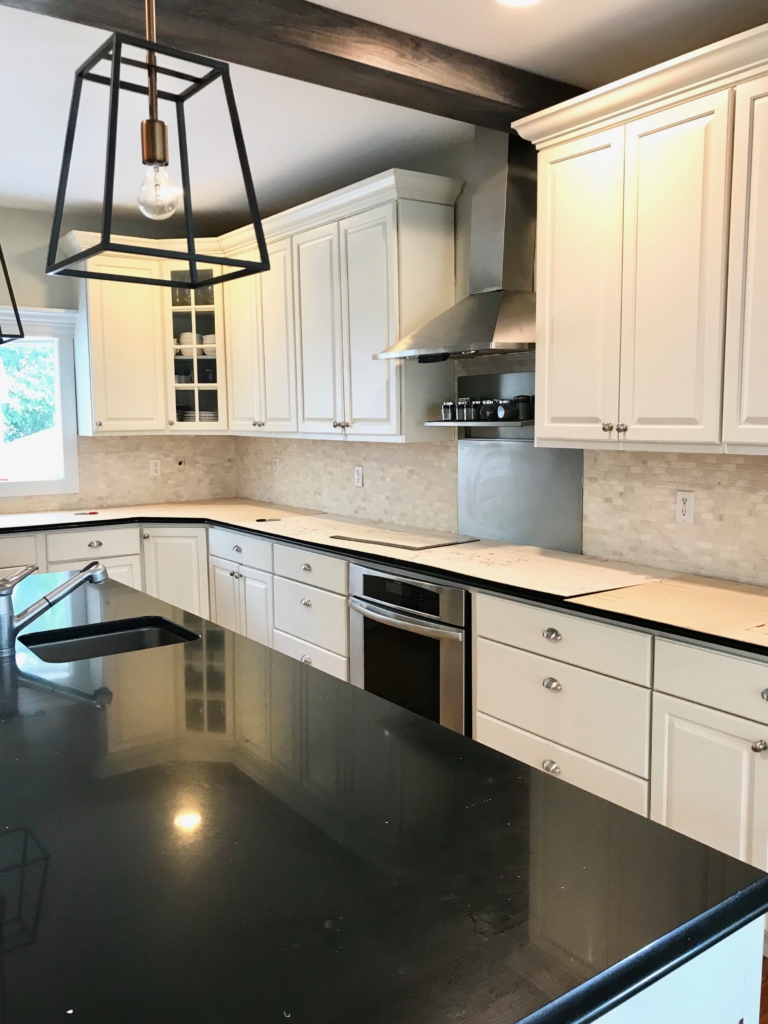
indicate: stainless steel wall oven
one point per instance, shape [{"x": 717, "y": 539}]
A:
[{"x": 408, "y": 643}]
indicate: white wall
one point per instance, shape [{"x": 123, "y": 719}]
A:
[{"x": 24, "y": 236}]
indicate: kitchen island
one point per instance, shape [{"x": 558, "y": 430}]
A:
[{"x": 238, "y": 837}]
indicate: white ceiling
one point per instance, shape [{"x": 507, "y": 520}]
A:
[
  {"x": 586, "y": 42},
  {"x": 303, "y": 140}
]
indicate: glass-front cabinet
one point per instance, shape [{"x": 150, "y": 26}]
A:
[{"x": 196, "y": 356}]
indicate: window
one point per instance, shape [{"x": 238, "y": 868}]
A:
[{"x": 38, "y": 423}]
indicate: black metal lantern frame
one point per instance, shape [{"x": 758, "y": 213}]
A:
[
  {"x": 18, "y": 333},
  {"x": 186, "y": 85}
]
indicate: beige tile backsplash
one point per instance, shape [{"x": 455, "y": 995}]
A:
[
  {"x": 629, "y": 512},
  {"x": 407, "y": 484},
  {"x": 115, "y": 471}
]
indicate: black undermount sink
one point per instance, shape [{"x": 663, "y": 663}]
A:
[{"x": 99, "y": 639}]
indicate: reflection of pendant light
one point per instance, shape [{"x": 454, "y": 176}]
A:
[
  {"x": 15, "y": 332},
  {"x": 158, "y": 197}
]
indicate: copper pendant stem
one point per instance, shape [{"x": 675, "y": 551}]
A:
[{"x": 154, "y": 132}]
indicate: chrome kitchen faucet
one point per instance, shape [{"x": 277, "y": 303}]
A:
[{"x": 11, "y": 625}]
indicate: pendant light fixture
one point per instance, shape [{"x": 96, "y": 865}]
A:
[
  {"x": 10, "y": 326},
  {"x": 174, "y": 79}
]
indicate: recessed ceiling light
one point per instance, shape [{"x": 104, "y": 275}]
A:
[{"x": 518, "y": 3}]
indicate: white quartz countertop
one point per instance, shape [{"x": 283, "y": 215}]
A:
[{"x": 715, "y": 607}]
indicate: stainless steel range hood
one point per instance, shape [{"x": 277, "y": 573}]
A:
[{"x": 499, "y": 314}]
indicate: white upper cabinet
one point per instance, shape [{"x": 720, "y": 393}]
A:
[
  {"x": 745, "y": 408},
  {"x": 317, "y": 305},
  {"x": 278, "y": 347},
  {"x": 579, "y": 288},
  {"x": 120, "y": 352},
  {"x": 675, "y": 247},
  {"x": 693, "y": 354},
  {"x": 369, "y": 320},
  {"x": 241, "y": 313}
]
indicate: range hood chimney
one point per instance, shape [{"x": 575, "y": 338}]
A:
[{"x": 499, "y": 314}]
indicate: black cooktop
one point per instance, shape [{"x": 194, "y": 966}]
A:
[{"x": 240, "y": 838}]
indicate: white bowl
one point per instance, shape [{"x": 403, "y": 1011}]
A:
[
  {"x": 188, "y": 338},
  {"x": 208, "y": 351}
]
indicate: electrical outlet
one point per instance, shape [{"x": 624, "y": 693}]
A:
[
  {"x": 276, "y": 466},
  {"x": 181, "y": 465},
  {"x": 154, "y": 467},
  {"x": 358, "y": 476},
  {"x": 684, "y": 507}
]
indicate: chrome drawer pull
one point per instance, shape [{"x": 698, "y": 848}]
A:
[
  {"x": 552, "y": 684},
  {"x": 760, "y": 746},
  {"x": 306, "y": 602},
  {"x": 552, "y": 634},
  {"x": 308, "y": 568},
  {"x": 306, "y": 659},
  {"x": 764, "y": 694},
  {"x": 238, "y": 549},
  {"x": 551, "y": 766},
  {"x": 94, "y": 544}
]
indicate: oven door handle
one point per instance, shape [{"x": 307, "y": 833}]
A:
[{"x": 388, "y": 618}]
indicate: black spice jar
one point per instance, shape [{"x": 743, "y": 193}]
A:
[
  {"x": 524, "y": 407},
  {"x": 449, "y": 410},
  {"x": 506, "y": 409},
  {"x": 488, "y": 409}
]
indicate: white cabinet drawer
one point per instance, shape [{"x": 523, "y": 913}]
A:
[
  {"x": 238, "y": 547},
  {"x": 601, "y": 779},
  {"x": 720, "y": 681},
  {"x": 311, "y": 654},
  {"x": 594, "y": 714},
  {"x": 18, "y": 549},
  {"x": 607, "y": 649},
  {"x": 122, "y": 568},
  {"x": 68, "y": 545},
  {"x": 319, "y": 570},
  {"x": 312, "y": 614}
]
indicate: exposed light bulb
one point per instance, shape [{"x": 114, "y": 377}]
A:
[{"x": 157, "y": 197}]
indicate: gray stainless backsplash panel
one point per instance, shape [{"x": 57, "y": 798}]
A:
[{"x": 512, "y": 491}]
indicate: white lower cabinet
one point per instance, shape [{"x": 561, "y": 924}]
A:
[
  {"x": 127, "y": 570},
  {"x": 241, "y": 599},
  {"x": 709, "y": 777},
  {"x": 311, "y": 654},
  {"x": 175, "y": 566},
  {"x": 22, "y": 549}
]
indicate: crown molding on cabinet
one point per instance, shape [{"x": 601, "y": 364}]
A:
[
  {"x": 62, "y": 321},
  {"x": 740, "y": 56},
  {"x": 346, "y": 202}
]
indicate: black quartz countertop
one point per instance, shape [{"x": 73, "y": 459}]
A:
[{"x": 240, "y": 838}]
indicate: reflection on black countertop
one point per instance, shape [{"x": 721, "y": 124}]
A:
[{"x": 241, "y": 838}]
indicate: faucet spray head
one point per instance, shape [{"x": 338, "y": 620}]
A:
[{"x": 98, "y": 574}]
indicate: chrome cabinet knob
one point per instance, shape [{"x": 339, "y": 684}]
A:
[
  {"x": 760, "y": 746},
  {"x": 553, "y": 635},
  {"x": 306, "y": 602},
  {"x": 607, "y": 427},
  {"x": 145, "y": 536},
  {"x": 308, "y": 568},
  {"x": 231, "y": 572},
  {"x": 94, "y": 543},
  {"x": 552, "y": 684},
  {"x": 255, "y": 423},
  {"x": 336, "y": 423},
  {"x": 98, "y": 423},
  {"x": 238, "y": 549},
  {"x": 171, "y": 422},
  {"x": 621, "y": 428},
  {"x": 306, "y": 659},
  {"x": 551, "y": 766},
  {"x": 764, "y": 694}
]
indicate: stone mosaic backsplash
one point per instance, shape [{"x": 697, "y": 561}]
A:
[
  {"x": 629, "y": 512},
  {"x": 406, "y": 484}
]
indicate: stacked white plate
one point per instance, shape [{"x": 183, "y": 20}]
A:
[
  {"x": 209, "y": 417},
  {"x": 189, "y": 338},
  {"x": 188, "y": 416},
  {"x": 209, "y": 341}
]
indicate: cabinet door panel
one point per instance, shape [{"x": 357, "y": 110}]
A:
[
  {"x": 175, "y": 566},
  {"x": 256, "y": 598},
  {"x": 277, "y": 341},
  {"x": 368, "y": 276},
  {"x": 745, "y": 405},
  {"x": 224, "y": 594},
  {"x": 318, "y": 329},
  {"x": 675, "y": 226},
  {"x": 579, "y": 287},
  {"x": 245, "y": 379},
  {"x": 126, "y": 326},
  {"x": 125, "y": 570},
  {"x": 706, "y": 781}
]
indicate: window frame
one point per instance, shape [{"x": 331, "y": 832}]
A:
[{"x": 59, "y": 325}]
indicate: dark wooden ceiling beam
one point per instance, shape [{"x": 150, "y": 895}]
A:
[{"x": 303, "y": 40}]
